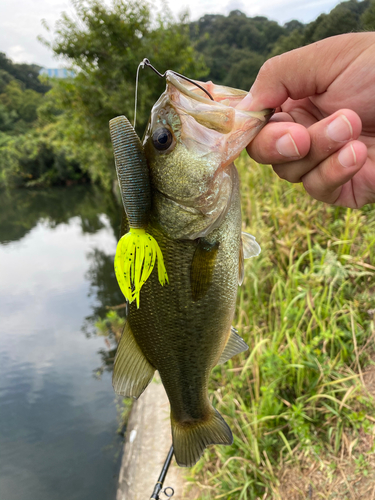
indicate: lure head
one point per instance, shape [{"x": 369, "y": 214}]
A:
[{"x": 190, "y": 138}]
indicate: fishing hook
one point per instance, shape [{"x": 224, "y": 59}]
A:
[
  {"x": 146, "y": 62},
  {"x": 159, "y": 484}
]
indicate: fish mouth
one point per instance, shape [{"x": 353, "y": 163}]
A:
[
  {"x": 214, "y": 125},
  {"x": 226, "y": 96}
]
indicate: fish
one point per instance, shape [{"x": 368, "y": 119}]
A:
[{"x": 185, "y": 194}]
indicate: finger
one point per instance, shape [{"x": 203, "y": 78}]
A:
[
  {"x": 326, "y": 181},
  {"x": 303, "y": 72},
  {"x": 327, "y": 137},
  {"x": 281, "y": 117},
  {"x": 280, "y": 142}
]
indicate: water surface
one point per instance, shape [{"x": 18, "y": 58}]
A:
[{"x": 58, "y": 422}]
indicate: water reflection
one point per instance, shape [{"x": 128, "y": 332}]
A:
[
  {"x": 57, "y": 422},
  {"x": 21, "y": 210},
  {"x": 103, "y": 286}
]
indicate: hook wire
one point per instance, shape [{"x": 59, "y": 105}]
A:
[
  {"x": 140, "y": 65},
  {"x": 146, "y": 62}
]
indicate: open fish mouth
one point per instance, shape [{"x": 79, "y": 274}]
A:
[
  {"x": 214, "y": 124},
  {"x": 221, "y": 109}
]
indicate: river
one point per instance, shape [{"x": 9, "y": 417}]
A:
[{"x": 58, "y": 419}]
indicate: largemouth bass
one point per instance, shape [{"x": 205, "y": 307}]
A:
[{"x": 191, "y": 212}]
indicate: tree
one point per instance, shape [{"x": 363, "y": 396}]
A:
[
  {"x": 368, "y": 17},
  {"x": 344, "y": 18},
  {"x": 104, "y": 49},
  {"x": 235, "y": 46},
  {"x": 18, "y": 107},
  {"x": 28, "y": 74}
]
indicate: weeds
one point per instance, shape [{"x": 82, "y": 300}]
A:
[{"x": 306, "y": 310}]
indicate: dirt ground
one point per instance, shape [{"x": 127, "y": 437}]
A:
[{"x": 350, "y": 476}]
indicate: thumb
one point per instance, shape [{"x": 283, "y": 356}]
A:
[{"x": 302, "y": 72}]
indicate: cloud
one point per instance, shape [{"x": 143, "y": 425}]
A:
[
  {"x": 20, "y": 26},
  {"x": 234, "y": 5},
  {"x": 18, "y": 53}
]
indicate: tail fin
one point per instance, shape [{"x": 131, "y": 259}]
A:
[{"x": 191, "y": 438}]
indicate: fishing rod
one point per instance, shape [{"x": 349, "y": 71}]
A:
[{"x": 168, "y": 491}]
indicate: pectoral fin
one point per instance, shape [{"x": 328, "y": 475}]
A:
[
  {"x": 250, "y": 246},
  {"x": 202, "y": 268},
  {"x": 132, "y": 372},
  {"x": 241, "y": 268},
  {"x": 234, "y": 346}
]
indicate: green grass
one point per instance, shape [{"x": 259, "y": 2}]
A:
[{"x": 306, "y": 309}]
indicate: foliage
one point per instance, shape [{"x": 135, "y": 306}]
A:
[
  {"x": 27, "y": 74},
  {"x": 31, "y": 151},
  {"x": 344, "y": 18},
  {"x": 18, "y": 108},
  {"x": 306, "y": 311},
  {"x": 236, "y": 46},
  {"x": 368, "y": 17},
  {"x": 105, "y": 48},
  {"x": 63, "y": 136}
]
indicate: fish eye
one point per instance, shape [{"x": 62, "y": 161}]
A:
[{"x": 162, "y": 138}]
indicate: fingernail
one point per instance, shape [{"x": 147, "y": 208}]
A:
[
  {"x": 340, "y": 129},
  {"x": 347, "y": 157},
  {"x": 246, "y": 101},
  {"x": 287, "y": 147}
]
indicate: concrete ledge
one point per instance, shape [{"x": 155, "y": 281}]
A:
[{"x": 148, "y": 439}]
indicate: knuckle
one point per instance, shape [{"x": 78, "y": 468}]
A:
[
  {"x": 286, "y": 173},
  {"x": 309, "y": 184},
  {"x": 268, "y": 67},
  {"x": 316, "y": 182}
]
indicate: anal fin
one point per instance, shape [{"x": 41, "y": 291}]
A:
[
  {"x": 132, "y": 372},
  {"x": 234, "y": 346}
]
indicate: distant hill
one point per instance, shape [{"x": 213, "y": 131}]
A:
[
  {"x": 25, "y": 73},
  {"x": 236, "y": 46}
]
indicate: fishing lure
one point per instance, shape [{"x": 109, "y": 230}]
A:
[{"x": 137, "y": 250}]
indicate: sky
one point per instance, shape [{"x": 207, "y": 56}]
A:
[{"x": 21, "y": 20}]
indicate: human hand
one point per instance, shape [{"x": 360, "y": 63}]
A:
[{"x": 323, "y": 131}]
